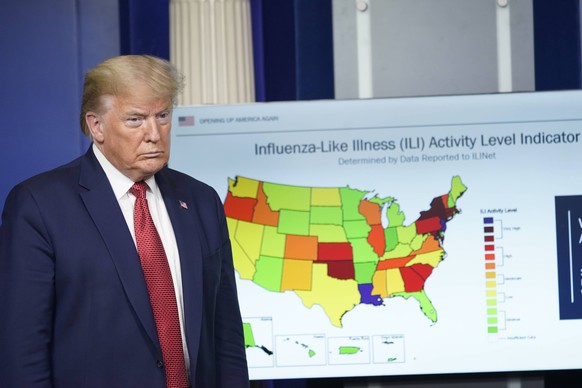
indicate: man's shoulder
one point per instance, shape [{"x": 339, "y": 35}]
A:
[
  {"x": 65, "y": 173},
  {"x": 48, "y": 189}
]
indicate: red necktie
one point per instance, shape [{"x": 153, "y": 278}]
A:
[{"x": 160, "y": 288}]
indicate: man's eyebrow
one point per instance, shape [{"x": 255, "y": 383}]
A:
[
  {"x": 134, "y": 112},
  {"x": 140, "y": 112}
]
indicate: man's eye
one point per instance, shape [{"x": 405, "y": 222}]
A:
[
  {"x": 133, "y": 121},
  {"x": 164, "y": 117}
]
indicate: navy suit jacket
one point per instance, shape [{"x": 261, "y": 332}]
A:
[{"x": 74, "y": 307}]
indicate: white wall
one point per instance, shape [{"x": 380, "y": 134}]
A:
[{"x": 427, "y": 47}]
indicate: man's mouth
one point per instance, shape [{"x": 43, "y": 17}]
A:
[{"x": 152, "y": 154}]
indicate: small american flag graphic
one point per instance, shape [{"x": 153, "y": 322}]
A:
[{"x": 185, "y": 120}]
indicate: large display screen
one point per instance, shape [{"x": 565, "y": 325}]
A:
[{"x": 404, "y": 236}]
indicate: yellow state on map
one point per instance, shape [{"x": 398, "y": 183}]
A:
[
  {"x": 417, "y": 241},
  {"x": 431, "y": 258},
  {"x": 242, "y": 262},
  {"x": 387, "y": 282},
  {"x": 335, "y": 296},
  {"x": 249, "y": 236},
  {"x": 394, "y": 281},
  {"x": 321, "y": 196},
  {"x": 243, "y": 187},
  {"x": 401, "y": 250},
  {"x": 406, "y": 233}
]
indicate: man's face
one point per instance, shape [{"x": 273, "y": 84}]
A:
[{"x": 133, "y": 134}]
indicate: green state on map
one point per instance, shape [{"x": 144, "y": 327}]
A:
[
  {"x": 249, "y": 339},
  {"x": 349, "y": 349},
  {"x": 330, "y": 245}
]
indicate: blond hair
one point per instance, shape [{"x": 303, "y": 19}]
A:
[{"x": 118, "y": 75}]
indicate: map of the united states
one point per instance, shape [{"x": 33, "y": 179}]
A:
[{"x": 336, "y": 247}]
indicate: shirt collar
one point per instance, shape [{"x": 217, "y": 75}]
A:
[{"x": 119, "y": 182}]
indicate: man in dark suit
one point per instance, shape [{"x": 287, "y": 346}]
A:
[{"x": 78, "y": 306}]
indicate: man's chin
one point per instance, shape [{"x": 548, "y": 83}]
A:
[{"x": 150, "y": 169}]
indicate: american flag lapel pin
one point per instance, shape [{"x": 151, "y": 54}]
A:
[{"x": 183, "y": 205}]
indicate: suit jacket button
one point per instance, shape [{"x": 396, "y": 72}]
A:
[{"x": 160, "y": 364}]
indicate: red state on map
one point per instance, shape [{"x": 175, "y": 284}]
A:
[
  {"x": 428, "y": 225},
  {"x": 341, "y": 269},
  {"x": 415, "y": 276},
  {"x": 239, "y": 208},
  {"x": 334, "y": 251}
]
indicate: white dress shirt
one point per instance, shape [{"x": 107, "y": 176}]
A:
[{"x": 121, "y": 185}]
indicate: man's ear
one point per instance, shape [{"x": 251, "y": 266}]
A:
[{"x": 95, "y": 123}]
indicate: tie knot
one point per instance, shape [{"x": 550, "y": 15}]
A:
[{"x": 139, "y": 189}]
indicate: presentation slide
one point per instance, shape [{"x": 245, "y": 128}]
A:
[{"x": 399, "y": 236}]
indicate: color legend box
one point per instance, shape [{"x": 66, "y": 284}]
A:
[{"x": 490, "y": 275}]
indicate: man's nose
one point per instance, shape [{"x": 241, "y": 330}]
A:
[{"x": 152, "y": 130}]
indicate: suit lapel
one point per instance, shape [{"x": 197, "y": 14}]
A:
[
  {"x": 185, "y": 222},
  {"x": 104, "y": 209}
]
